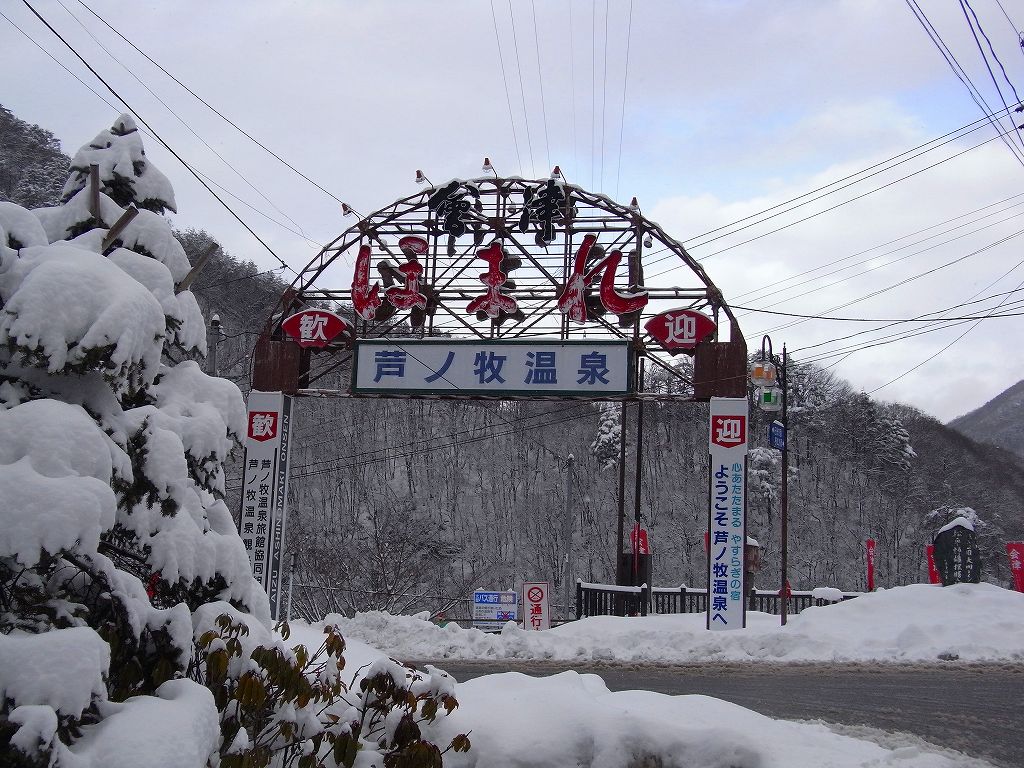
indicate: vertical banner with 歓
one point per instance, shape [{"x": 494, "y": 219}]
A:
[
  {"x": 265, "y": 489},
  {"x": 1015, "y": 551},
  {"x": 869, "y": 546},
  {"x": 727, "y": 442}
]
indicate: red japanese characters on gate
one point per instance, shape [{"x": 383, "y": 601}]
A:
[{"x": 535, "y": 605}]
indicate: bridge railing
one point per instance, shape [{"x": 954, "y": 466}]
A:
[{"x": 607, "y": 600}]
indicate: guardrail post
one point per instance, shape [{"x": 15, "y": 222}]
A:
[{"x": 579, "y": 598}]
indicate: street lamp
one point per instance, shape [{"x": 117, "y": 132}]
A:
[{"x": 763, "y": 373}]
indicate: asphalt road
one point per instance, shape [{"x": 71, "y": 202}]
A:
[{"x": 974, "y": 709}]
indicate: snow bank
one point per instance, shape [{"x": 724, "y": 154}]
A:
[
  {"x": 921, "y": 622},
  {"x": 517, "y": 721},
  {"x": 62, "y": 669}
]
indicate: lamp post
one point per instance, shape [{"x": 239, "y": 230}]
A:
[{"x": 764, "y": 374}]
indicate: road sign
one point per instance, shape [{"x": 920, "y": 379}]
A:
[
  {"x": 535, "y": 605},
  {"x": 777, "y": 435},
  {"x": 492, "y": 609}
]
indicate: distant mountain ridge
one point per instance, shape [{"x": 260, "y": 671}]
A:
[{"x": 998, "y": 422}]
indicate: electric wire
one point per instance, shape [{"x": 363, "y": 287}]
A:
[
  {"x": 504, "y": 80},
  {"x": 157, "y": 136},
  {"x": 187, "y": 127},
  {"x": 572, "y": 89},
  {"x": 984, "y": 58},
  {"x": 958, "y": 70},
  {"x": 213, "y": 109},
  {"x": 604, "y": 92},
  {"x": 522, "y": 90},
  {"x": 540, "y": 78},
  {"x": 622, "y": 112}
]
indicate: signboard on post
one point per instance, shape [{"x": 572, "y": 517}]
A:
[
  {"x": 265, "y": 489},
  {"x": 492, "y": 609},
  {"x": 536, "y": 606},
  {"x": 777, "y": 435},
  {"x": 486, "y": 367},
  {"x": 727, "y": 442}
]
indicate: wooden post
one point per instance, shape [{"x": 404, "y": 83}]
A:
[{"x": 119, "y": 226}]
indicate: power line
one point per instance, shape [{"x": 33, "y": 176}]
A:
[
  {"x": 157, "y": 136},
  {"x": 622, "y": 113},
  {"x": 572, "y": 87},
  {"x": 604, "y": 91},
  {"x": 504, "y": 80},
  {"x": 213, "y": 109},
  {"x": 189, "y": 128},
  {"x": 959, "y": 71},
  {"x": 984, "y": 58},
  {"x": 540, "y": 78},
  {"x": 522, "y": 90}
]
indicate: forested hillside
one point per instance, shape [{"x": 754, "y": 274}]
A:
[
  {"x": 999, "y": 422},
  {"x": 438, "y": 498}
]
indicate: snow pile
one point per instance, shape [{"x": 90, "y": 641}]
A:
[
  {"x": 515, "y": 721},
  {"x": 921, "y": 622}
]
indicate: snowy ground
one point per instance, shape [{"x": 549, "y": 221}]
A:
[
  {"x": 573, "y": 719},
  {"x": 967, "y": 622}
]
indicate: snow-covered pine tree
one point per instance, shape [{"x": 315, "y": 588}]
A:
[
  {"x": 605, "y": 447},
  {"x": 130, "y": 623},
  {"x": 111, "y": 471}
]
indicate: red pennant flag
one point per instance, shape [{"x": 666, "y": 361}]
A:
[
  {"x": 1015, "y": 551},
  {"x": 933, "y": 572},
  {"x": 871, "y": 564}
]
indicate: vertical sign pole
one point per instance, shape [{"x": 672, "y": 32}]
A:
[
  {"x": 265, "y": 489},
  {"x": 727, "y": 442}
]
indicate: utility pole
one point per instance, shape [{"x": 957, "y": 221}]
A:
[
  {"x": 215, "y": 332},
  {"x": 784, "y": 490},
  {"x": 291, "y": 581},
  {"x": 567, "y": 532}
]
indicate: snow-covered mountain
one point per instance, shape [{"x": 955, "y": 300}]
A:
[{"x": 999, "y": 422}]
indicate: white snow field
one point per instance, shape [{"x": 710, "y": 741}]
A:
[
  {"x": 572, "y": 719},
  {"x": 916, "y": 623}
]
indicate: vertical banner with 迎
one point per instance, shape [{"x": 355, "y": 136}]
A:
[
  {"x": 870, "y": 546},
  {"x": 265, "y": 489},
  {"x": 933, "y": 572},
  {"x": 1015, "y": 551},
  {"x": 727, "y": 524}
]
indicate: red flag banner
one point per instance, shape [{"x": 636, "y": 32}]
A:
[
  {"x": 1015, "y": 551},
  {"x": 871, "y": 564},
  {"x": 933, "y": 572}
]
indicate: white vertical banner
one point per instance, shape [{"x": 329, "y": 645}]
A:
[
  {"x": 536, "y": 607},
  {"x": 265, "y": 489},
  {"x": 727, "y": 442}
]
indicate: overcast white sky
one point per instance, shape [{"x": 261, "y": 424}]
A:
[{"x": 730, "y": 108}]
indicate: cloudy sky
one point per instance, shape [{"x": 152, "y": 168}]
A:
[{"x": 731, "y": 108}]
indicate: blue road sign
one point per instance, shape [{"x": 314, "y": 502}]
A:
[{"x": 777, "y": 435}]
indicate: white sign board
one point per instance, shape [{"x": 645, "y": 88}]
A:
[
  {"x": 535, "y": 605},
  {"x": 512, "y": 367},
  {"x": 727, "y": 441},
  {"x": 492, "y": 609},
  {"x": 265, "y": 489}
]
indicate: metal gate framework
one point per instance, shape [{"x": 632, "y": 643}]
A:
[{"x": 541, "y": 226}]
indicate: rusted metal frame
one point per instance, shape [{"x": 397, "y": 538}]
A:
[
  {"x": 521, "y": 329},
  {"x": 530, "y": 257},
  {"x": 461, "y": 270},
  {"x": 666, "y": 367},
  {"x": 472, "y": 328},
  {"x": 330, "y": 369}
]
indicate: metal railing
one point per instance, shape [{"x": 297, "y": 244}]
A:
[{"x": 612, "y": 600}]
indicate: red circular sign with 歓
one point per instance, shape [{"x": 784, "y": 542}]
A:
[
  {"x": 680, "y": 330},
  {"x": 315, "y": 327},
  {"x": 535, "y": 594}
]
